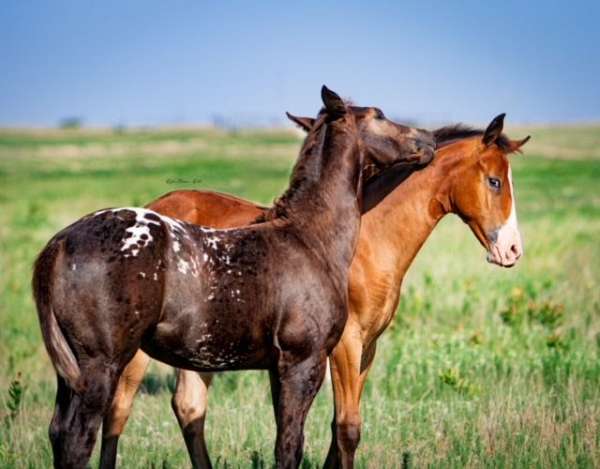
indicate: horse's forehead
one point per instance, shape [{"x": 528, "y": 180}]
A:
[{"x": 496, "y": 161}]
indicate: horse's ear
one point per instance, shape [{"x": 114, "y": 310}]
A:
[
  {"x": 515, "y": 145},
  {"x": 494, "y": 130},
  {"x": 333, "y": 103},
  {"x": 305, "y": 123}
]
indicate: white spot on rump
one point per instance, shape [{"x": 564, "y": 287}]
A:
[{"x": 139, "y": 234}]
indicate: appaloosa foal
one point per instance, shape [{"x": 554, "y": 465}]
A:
[{"x": 268, "y": 296}]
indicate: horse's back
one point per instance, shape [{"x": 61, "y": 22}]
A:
[{"x": 207, "y": 208}]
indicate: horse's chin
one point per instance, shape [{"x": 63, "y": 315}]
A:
[{"x": 495, "y": 256}]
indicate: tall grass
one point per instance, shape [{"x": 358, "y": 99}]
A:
[{"x": 482, "y": 366}]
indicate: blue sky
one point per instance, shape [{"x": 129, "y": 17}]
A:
[{"x": 156, "y": 62}]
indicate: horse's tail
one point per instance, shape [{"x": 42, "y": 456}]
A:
[{"x": 58, "y": 348}]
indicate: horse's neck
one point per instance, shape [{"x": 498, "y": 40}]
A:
[
  {"x": 326, "y": 215},
  {"x": 403, "y": 221}
]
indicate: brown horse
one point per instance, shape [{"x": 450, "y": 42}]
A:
[
  {"x": 267, "y": 296},
  {"x": 470, "y": 177}
]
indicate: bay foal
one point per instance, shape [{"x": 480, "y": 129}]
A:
[
  {"x": 268, "y": 296},
  {"x": 470, "y": 176}
]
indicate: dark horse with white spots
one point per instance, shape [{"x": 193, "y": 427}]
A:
[{"x": 270, "y": 296}]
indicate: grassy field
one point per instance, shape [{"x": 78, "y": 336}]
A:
[{"x": 482, "y": 367}]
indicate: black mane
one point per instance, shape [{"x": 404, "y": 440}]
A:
[
  {"x": 451, "y": 133},
  {"x": 304, "y": 174}
]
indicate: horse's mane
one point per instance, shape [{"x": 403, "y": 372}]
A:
[
  {"x": 306, "y": 169},
  {"x": 451, "y": 133}
]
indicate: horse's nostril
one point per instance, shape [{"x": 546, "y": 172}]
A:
[{"x": 514, "y": 249}]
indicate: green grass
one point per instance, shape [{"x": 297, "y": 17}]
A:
[{"x": 482, "y": 366}]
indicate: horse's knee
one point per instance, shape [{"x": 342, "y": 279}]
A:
[
  {"x": 190, "y": 399},
  {"x": 116, "y": 418},
  {"x": 120, "y": 407},
  {"x": 188, "y": 408},
  {"x": 120, "y": 411},
  {"x": 348, "y": 434}
]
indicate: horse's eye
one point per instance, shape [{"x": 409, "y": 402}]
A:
[
  {"x": 379, "y": 114},
  {"x": 494, "y": 183}
]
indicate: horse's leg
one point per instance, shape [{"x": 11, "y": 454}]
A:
[
  {"x": 350, "y": 365},
  {"x": 275, "y": 389},
  {"x": 117, "y": 415},
  {"x": 78, "y": 416},
  {"x": 189, "y": 403},
  {"x": 64, "y": 396},
  {"x": 297, "y": 387}
]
